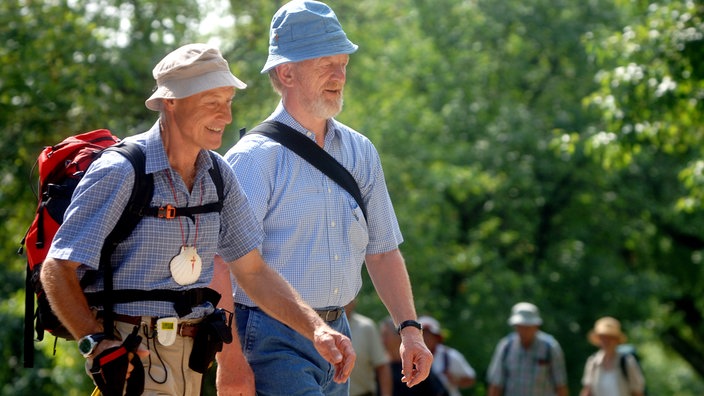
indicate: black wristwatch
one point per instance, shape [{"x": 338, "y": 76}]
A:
[
  {"x": 411, "y": 323},
  {"x": 87, "y": 344}
]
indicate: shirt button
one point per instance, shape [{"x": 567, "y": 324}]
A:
[
  {"x": 309, "y": 134},
  {"x": 336, "y": 291},
  {"x": 332, "y": 224},
  {"x": 337, "y": 257}
]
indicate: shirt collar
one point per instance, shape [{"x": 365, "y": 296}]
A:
[
  {"x": 157, "y": 159},
  {"x": 282, "y": 115}
]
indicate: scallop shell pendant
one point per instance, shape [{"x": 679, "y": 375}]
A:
[{"x": 186, "y": 266}]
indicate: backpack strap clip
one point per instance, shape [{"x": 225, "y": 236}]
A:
[{"x": 166, "y": 212}]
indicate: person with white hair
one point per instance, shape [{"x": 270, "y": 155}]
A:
[
  {"x": 527, "y": 362},
  {"x": 319, "y": 233}
]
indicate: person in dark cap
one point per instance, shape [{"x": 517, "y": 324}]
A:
[
  {"x": 317, "y": 234},
  {"x": 169, "y": 260},
  {"x": 527, "y": 362}
]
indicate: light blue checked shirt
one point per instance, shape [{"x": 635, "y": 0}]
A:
[
  {"x": 316, "y": 235},
  {"x": 142, "y": 260},
  {"x": 535, "y": 371}
]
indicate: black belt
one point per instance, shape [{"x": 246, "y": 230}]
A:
[{"x": 328, "y": 315}]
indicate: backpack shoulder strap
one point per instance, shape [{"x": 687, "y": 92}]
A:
[
  {"x": 316, "y": 156},
  {"x": 548, "y": 351},
  {"x": 504, "y": 356},
  {"x": 623, "y": 364},
  {"x": 507, "y": 347},
  {"x": 140, "y": 198},
  {"x": 216, "y": 175}
]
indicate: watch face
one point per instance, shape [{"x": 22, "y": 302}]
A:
[{"x": 86, "y": 344}]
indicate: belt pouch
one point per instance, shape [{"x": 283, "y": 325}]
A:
[{"x": 213, "y": 331}]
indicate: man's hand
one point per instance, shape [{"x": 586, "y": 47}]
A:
[
  {"x": 337, "y": 349},
  {"x": 416, "y": 358},
  {"x": 107, "y": 344}
]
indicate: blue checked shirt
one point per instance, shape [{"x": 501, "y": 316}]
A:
[
  {"x": 142, "y": 260},
  {"x": 535, "y": 371},
  {"x": 316, "y": 235}
]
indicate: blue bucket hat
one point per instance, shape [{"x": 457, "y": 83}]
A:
[{"x": 305, "y": 29}]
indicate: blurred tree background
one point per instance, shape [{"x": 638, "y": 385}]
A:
[{"x": 546, "y": 151}]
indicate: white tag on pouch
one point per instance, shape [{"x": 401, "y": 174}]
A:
[{"x": 166, "y": 329}]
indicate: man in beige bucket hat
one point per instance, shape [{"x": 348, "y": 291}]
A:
[{"x": 170, "y": 259}]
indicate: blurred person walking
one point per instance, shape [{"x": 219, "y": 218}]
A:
[
  {"x": 371, "y": 374},
  {"x": 608, "y": 372},
  {"x": 528, "y": 361},
  {"x": 449, "y": 365}
]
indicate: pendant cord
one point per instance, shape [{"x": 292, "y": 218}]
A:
[{"x": 180, "y": 223}]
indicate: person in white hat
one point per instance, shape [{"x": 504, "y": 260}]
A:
[
  {"x": 527, "y": 362},
  {"x": 317, "y": 234},
  {"x": 609, "y": 372},
  {"x": 449, "y": 364},
  {"x": 169, "y": 259}
]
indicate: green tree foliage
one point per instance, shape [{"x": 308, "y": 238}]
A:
[{"x": 650, "y": 96}]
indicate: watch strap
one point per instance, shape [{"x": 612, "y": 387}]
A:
[{"x": 411, "y": 323}]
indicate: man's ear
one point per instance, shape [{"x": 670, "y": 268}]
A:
[
  {"x": 168, "y": 104},
  {"x": 285, "y": 74}
]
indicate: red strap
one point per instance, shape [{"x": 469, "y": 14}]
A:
[{"x": 117, "y": 353}]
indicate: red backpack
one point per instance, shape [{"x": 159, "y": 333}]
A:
[{"x": 60, "y": 169}]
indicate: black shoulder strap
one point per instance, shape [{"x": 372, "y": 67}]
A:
[
  {"x": 217, "y": 178},
  {"x": 141, "y": 196},
  {"x": 622, "y": 364},
  {"x": 316, "y": 156},
  {"x": 139, "y": 199}
]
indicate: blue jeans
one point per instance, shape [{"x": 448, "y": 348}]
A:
[{"x": 285, "y": 362}]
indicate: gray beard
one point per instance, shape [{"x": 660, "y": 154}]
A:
[{"x": 325, "y": 109}]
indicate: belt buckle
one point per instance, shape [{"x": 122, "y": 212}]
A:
[{"x": 332, "y": 315}]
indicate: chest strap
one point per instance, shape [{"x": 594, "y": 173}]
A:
[
  {"x": 170, "y": 212},
  {"x": 184, "y": 300}
]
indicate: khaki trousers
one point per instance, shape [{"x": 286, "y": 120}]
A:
[{"x": 166, "y": 369}]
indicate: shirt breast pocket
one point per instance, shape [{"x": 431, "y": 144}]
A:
[{"x": 359, "y": 233}]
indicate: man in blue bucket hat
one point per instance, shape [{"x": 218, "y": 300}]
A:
[{"x": 318, "y": 235}]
